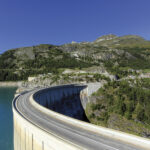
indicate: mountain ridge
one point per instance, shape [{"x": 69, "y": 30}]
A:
[
  {"x": 46, "y": 58},
  {"x": 119, "y": 64},
  {"x": 73, "y": 42}
]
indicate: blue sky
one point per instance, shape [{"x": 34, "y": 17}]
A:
[{"x": 32, "y": 22}]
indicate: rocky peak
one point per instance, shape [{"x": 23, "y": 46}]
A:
[{"x": 106, "y": 37}]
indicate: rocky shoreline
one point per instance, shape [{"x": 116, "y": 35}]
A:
[{"x": 10, "y": 84}]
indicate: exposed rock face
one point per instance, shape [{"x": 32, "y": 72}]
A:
[
  {"x": 106, "y": 37},
  {"x": 27, "y": 52}
]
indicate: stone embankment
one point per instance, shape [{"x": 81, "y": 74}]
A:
[{"x": 11, "y": 84}]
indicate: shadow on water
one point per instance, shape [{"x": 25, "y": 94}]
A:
[{"x": 65, "y": 100}]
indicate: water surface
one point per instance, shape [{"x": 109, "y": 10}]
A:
[{"x": 6, "y": 118}]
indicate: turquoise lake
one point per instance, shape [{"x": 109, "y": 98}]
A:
[{"x": 6, "y": 118}]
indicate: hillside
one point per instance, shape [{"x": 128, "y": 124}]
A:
[
  {"x": 18, "y": 64},
  {"x": 117, "y": 54},
  {"x": 122, "y": 105},
  {"x": 120, "y": 66}
]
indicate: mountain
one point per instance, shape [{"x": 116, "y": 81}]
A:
[
  {"x": 120, "y": 65},
  {"x": 106, "y": 38},
  {"x": 127, "y": 51},
  {"x": 127, "y": 40}
]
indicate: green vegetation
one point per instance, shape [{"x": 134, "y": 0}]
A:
[
  {"x": 134, "y": 58},
  {"x": 78, "y": 77},
  {"x": 50, "y": 60},
  {"x": 6, "y": 59},
  {"x": 128, "y": 100},
  {"x": 139, "y": 61},
  {"x": 144, "y": 83},
  {"x": 119, "y": 71},
  {"x": 99, "y": 77},
  {"x": 65, "y": 61},
  {"x": 116, "y": 55}
]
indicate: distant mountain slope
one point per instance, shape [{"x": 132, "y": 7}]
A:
[{"x": 109, "y": 51}]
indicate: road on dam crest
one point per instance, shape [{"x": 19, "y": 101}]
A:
[{"x": 74, "y": 135}]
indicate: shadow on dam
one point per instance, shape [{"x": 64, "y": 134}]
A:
[{"x": 69, "y": 100}]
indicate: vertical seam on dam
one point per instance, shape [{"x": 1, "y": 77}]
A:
[
  {"x": 20, "y": 137},
  {"x": 25, "y": 138},
  {"x": 32, "y": 141},
  {"x": 42, "y": 145}
]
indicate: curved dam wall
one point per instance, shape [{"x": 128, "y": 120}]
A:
[
  {"x": 69, "y": 100},
  {"x": 29, "y": 136}
]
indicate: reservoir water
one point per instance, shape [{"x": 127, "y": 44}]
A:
[{"x": 6, "y": 118}]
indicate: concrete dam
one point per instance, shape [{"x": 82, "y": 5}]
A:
[
  {"x": 69, "y": 100},
  {"x": 54, "y": 119}
]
